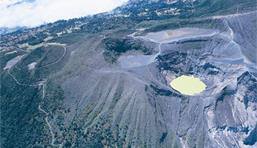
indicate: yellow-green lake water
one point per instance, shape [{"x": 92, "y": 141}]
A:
[{"x": 188, "y": 85}]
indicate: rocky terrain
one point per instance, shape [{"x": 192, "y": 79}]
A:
[{"x": 103, "y": 80}]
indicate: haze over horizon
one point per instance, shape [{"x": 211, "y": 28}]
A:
[
  {"x": 151, "y": 74},
  {"x": 32, "y": 13}
]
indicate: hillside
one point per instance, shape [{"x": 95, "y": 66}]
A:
[{"x": 103, "y": 80}]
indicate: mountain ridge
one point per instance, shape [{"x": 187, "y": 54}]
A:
[{"x": 103, "y": 80}]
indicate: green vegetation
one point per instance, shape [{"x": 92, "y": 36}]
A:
[
  {"x": 115, "y": 47},
  {"x": 94, "y": 125},
  {"x": 22, "y": 125},
  {"x": 21, "y": 98}
]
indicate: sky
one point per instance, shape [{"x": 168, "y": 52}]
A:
[{"x": 32, "y": 13}]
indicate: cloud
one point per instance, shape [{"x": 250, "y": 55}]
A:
[{"x": 32, "y": 13}]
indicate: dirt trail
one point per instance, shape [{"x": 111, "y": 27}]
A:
[{"x": 43, "y": 85}]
